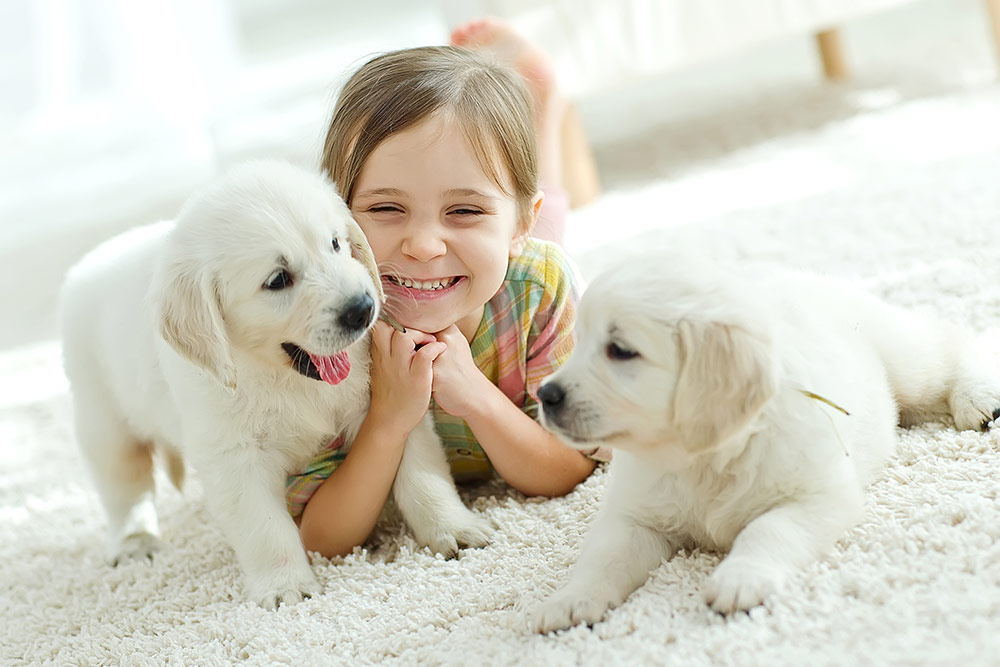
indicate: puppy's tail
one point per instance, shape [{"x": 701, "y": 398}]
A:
[{"x": 175, "y": 466}]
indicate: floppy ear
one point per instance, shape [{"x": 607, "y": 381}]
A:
[
  {"x": 726, "y": 378},
  {"x": 363, "y": 253},
  {"x": 191, "y": 321}
]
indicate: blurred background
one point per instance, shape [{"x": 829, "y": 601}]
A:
[{"x": 112, "y": 111}]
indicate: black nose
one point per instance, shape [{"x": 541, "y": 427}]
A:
[
  {"x": 551, "y": 394},
  {"x": 358, "y": 314}
]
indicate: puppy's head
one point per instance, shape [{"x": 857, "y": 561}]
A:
[
  {"x": 671, "y": 360},
  {"x": 267, "y": 267}
]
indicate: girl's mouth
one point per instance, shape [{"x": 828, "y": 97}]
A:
[
  {"x": 433, "y": 285},
  {"x": 421, "y": 289}
]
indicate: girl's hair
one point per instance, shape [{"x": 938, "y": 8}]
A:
[{"x": 397, "y": 90}]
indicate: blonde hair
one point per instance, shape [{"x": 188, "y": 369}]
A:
[{"x": 399, "y": 89}]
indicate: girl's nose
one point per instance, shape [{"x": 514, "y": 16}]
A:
[{"x": 423, "y": 242}]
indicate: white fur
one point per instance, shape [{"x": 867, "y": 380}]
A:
[
  {"x": 716, "y": 443},
  {"x": 171, "y": 343}
]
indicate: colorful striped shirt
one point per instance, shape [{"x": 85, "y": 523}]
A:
[{"x": 525, "y": 334}]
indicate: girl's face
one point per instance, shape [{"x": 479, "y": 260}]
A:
[{"x": 442, "y": 231}]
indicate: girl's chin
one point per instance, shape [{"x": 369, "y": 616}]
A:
[
  {"x": 423, "y": 318},
  {"x": 426, "y": 322}
]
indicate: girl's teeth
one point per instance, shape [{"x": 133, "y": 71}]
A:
[{"x": 424, "y": 284}]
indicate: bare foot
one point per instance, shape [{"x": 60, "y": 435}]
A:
[
  {"x": 497, "y": 37},
  {"x": 565, "y": 157}
]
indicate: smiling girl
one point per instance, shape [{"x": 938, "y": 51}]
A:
[{"x": 434, "y": 150}]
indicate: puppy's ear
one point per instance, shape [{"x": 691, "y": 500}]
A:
[
  {"x": 726, "y": 378},
  {"x": 363, "y": 253},
  {"x": 191, "y": 321}
]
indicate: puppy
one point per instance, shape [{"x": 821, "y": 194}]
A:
[
  {"x": 236, "y": 338},
  {"x": 748, "y": 411}
]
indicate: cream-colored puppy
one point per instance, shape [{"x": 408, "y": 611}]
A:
[
  {"x": 236, "y": 338},
  {"x": 725, "y": 395}
]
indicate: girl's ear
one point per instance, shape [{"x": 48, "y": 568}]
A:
[{"x": 525, "y": 225}]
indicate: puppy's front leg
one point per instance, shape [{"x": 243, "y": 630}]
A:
[
  {"x": 776, "y": 544},
  {"x": 428, "y": 500},
  {"x": 616, "y": 558},
  {"x": 246, "y": 495}
]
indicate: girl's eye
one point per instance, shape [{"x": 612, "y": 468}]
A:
[
  {"x": 466, "y": 211},
  {"x": 387, "y": 208},
  {"x": 336, "y": 245},
  {"x": 279, "y": 280},
  {"x": 620, "y": 353}
]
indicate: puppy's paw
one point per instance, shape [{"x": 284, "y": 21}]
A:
[
  {"x": 137, "y": 546},
  {"x": 286, "y": 585},
  {"x": 569, "y": 607},
  {"x": 975, "y": 403},
  {"x": 473, "y": 531},
  {"x": 739, "y": 584},
  {"x": 460, "y": 529}
]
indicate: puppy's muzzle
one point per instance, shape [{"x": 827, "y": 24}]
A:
[
  {"x": 358, "y": 315},
  {"x": 553, "y": 398}
]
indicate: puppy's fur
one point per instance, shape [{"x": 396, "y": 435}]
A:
[
  {"x": 176, "y": 338},
  {"x": 699, "y": 378}
]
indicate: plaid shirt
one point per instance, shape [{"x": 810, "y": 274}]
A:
[{"x": 525, "y": 334}]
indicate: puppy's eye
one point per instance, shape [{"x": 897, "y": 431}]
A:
[
  {"x": 619, "y": 353},
  {"x": 279, "y": 280},
  {"x": 336, "y": 245}
]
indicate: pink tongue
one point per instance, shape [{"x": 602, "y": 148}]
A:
[{"x": 333, "y": 369}]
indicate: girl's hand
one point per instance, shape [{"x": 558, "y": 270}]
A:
[
  {"x": 402, "y": 375},
  {"x": 459, "y": 385}
]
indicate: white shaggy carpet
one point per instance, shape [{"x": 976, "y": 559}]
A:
[{"x": 899, "y": 189}]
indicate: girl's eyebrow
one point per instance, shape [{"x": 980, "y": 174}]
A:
[
  {"x": 467, "y": 192},
  {"x": 395, "y": 192},
  {"x": 392, "y": 192}
]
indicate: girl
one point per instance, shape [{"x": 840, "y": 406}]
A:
[{"x": 434, "y": 150}]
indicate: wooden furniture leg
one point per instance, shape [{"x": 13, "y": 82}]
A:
[
  {"x": 832, "y": 53},
  {"x": 993, "y": 12}
]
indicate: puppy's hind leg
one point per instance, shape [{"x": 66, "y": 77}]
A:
[
  {"x": 974, "y": 399},
  {"x": 122, "y": 468},
  {"x": 933, "y": 367},
  {"x": 974, "y": 390},
  {"x": 428, "y": 500}
]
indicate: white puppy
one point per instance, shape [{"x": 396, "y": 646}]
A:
[
  {"x": 236, "y": 338},
  {"x": 722, "y": 395}
]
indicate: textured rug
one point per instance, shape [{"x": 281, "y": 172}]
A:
[{"x": 896, "y": 189}]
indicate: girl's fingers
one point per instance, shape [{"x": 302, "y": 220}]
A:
[
  {"x": 418, "y": 337},
  {"x": 425, "y": 356},
  {"x": 403, "y": 344},
  {"x": 382, "y": 335},
  {"x": 398, "y": 350}
]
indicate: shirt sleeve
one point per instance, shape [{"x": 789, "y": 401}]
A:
[
  {"x": 300, "y": 487},
  {"x": 551, "y": 336}
]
